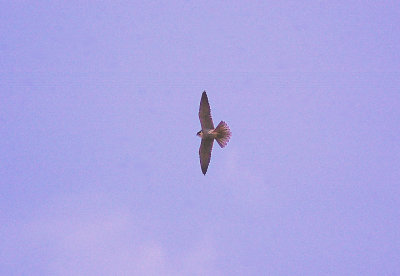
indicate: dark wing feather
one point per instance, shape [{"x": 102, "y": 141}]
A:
[
  {"x": 205, "y": 113},
  {"x": 205, "y": 153}
]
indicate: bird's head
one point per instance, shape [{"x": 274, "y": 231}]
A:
[{"x": 200, "y": 133}]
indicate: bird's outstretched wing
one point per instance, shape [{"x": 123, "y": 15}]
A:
[
  {"x": 205, "y": 113},
  {"x": 205, "y": 153}
]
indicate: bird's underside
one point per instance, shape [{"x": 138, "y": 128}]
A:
[{"x": 208, "y": 133}]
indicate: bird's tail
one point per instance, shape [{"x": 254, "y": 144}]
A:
[{"x": 223, "y": 134}]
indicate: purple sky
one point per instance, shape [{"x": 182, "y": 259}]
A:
[{"x": 99, "y": 167}]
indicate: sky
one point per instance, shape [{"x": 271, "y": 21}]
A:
[{"x": 99, "y": 165}]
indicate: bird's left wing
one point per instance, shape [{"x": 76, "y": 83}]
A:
[{"x": 205, "y": 113}]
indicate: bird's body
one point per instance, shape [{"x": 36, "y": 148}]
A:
[{"x": 208, "y": 133}]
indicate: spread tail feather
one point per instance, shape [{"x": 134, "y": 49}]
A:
[{"x": 223, "y": 134}]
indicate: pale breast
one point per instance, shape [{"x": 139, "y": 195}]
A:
[{"x": 208, "y": 133}]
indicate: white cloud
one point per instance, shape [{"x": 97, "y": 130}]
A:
[{"x": 86, "y": 235}]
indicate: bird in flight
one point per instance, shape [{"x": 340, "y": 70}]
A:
[{"x": 208, "y": 133}]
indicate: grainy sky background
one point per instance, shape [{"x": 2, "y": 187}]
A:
[{"x": 99, "y": 164}]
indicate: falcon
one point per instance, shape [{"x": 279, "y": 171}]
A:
[{"x": 208, "y": 133}]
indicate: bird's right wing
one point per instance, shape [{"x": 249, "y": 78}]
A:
[
  {"x": 205, "y": 153},
  {"x": 205, "y": 113}
]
